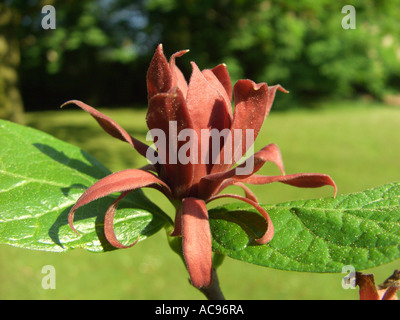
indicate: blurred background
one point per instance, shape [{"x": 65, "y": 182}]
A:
[
  {"x": 99, "y": 51},
  {"x": 342, "y": 116}
]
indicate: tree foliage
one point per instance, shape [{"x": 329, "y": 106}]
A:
[
  {"x": 11, "y": 106},
  {"x": 99, "y": 50},
  {"x": 300, "y": 44},
  {"x": 92, "y": 49}
]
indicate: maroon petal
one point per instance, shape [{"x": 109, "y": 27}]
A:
[
  {"x": 252, "y": 104},
  {"x": 196, "y": 242},
  {"x": 163, "y": 109},
  {"x": 248, "y": 193},
  {"x": 301, "y": 180},
  {"x": 178, "y": 79},
  {"x": 110, "y": 126},
  {"x": 233, "y": 182},
  {"x": 178, "y": 223},
  {"x": 159, "y": 76},
  {"x": 109, "y": 224},
  {"x": 215, "y": 82},
  {"x": 209, "y": 110},
  {"x": 270, "y": 153},
  {"x": 269, "y": 233},
  {"x": 126, "y": 180},
  {"x": 222, "y": 74},
  {"x": 206, "y": 104}
]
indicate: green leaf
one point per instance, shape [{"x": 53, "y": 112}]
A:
[
  {"x": 41, "y": 178},
  {"x": 321, "y": 235}
]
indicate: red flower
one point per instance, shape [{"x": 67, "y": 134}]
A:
[{"x": 190, "y": 109}]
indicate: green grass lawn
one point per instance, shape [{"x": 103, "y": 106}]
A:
[{"x": 354, "y": 142}]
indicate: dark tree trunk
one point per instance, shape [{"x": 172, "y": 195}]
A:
[{"x": 11, "y": 104}]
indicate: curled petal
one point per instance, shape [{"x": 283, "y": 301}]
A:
[
  {"x": 269, "y": 233},
  {"x": 301, "y": 180},
  {"x": 111, "y": 127},
  {"x": 270, "y": 153},
  {"x": 178, "y": 79},
  {"x": 126, "y": 180},
  {"x": 232, "y": 182},
  {"x": 109, "y": 224},
  {"x": 271, "y": 95},
  {"x": 248, "y": 193},
  {"x": 196, "y": 241}
]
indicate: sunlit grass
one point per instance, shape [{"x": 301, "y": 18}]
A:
[{"x": 355, "y": 143}]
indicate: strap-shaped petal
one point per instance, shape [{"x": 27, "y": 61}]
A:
[
  {"x": 178, "y": 79},
  {"x": 270, "y": 153},
  {"x": 109, "y": 224},
  {"x": 125, "y": 180},
  {"x": 301, "y": 180},
  {"x": 269, "y": 233},
  {"x": 247, "y": 191},
  {"x": 110, "y": 126},
  {"x": 196, "y": 241}
]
